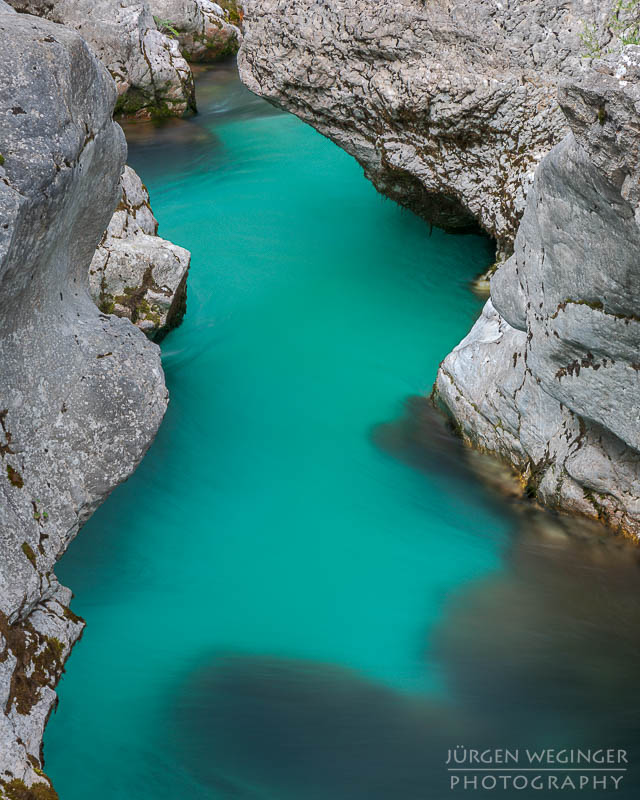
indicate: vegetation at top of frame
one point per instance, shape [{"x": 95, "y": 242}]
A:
[
  {"x": 622, "y": 28},
  {"x": 166, "y": 26}
]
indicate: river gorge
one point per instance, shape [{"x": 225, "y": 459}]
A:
[
  {"x": 319, "y": 324},
  {"x": 284, "y": 602}
]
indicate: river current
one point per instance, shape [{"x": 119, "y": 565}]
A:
[{"x": 304, "y": 592}]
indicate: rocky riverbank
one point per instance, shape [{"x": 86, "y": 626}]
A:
[
  {"x": 82, "y": 391},
  {"x": 548, "y": 378},
  {"x": 452, "y": 108},
  {"x": 449, "y": 107}
]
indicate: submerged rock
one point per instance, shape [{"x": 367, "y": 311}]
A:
[
  {"x": 136, "y": 274},
  {"x": 548, "y": 377},
  {"x": 152, "y": 77},
  {"x": 528, "y": 644},
  {"x": 206, "y": 31},
  {"x": 81, "y": 393},
  {"x": 449, "y": 107},
  {"x": 294, "y": 728}
]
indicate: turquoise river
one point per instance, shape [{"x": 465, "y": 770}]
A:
[{"x": 303, "y": 593}]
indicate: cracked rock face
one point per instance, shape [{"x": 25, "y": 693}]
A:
[
  {"x": 206, "y": 30},
  {"x": 82, "y": 393},
  {"x": 549, "y": 377},
  {"x": 152, "y": 77},
  {"x": 449, "y": 105},
  {"x": 136, "y": 274}
]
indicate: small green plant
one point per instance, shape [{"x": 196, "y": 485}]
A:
[
  {"x": 26, "y": 549},
  {"x": 232, "y": 11},
  {"x": 624, "y": 21},
  {"x": 591, "y": 45},
  {"x": 166, "y": 26},
  {"x": 622, "y": 27},
  {"x": 1, "y": 159},
  {"x": 39, "y": 514}
]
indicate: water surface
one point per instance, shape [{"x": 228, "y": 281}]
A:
[{"x": 280, "y": 608}]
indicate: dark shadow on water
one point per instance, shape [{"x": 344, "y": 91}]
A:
[
  {"x": 302, "y": 729},
  {"x": 544, "y": 653},
  {"x": 424, "y": 439}
]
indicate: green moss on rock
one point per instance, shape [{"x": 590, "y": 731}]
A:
[
  {"x": 18, "y": 790},
  {"x": 15, "y": 478},
  {"x": 28, "y": 551}
]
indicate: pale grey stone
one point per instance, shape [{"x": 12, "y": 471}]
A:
[
  {"x": 82, "y": 393},
  {"x": 136, "y": 274},
  {"x": 449, "y": 106},
  {"x": 550, "y": 377},
  {"x": 151, "y": 75},
  {"x": 205, "y": 32}
]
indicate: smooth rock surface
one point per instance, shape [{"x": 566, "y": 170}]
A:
[
  {"x": 449, "y": 105},
  {"x": 136, "y": 274},
  {"x": 549, "y": 377},
  {"x": 82, "y": 393},
  {"x": 206, "y": 30},
  {"x": 152, "y": 77}
]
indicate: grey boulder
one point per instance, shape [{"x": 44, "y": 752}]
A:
[
  {"x": 448, "y": 106},
  {"x": 205, "y": 30},
  {"x": 152, "y": 77},
  {"x": 136, "y": 274},
  {"x": 549, "y": 377}
]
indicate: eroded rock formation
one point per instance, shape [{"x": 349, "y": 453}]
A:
[
  {"x": 136, "y": 274},
  {"x": 82, "y": 393},
  {"x": 152, "y": 77},
  {"x": 206, "y": 31},
  {"x": 549, "y": 376},
  {"x": 449, "y": 105}
]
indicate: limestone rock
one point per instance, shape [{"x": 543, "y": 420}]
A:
[
  {"x": 550, "y": 374},
  {"x": 152, "y": 77},
  {"x": 81, "y": 393},
  {"x": 136, "y": 274},
  {"x": 449, "y": 105},
  {"x": 206, "y": 31}
]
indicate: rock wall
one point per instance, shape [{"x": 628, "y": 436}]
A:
[
  {"x": 81, "y": 392},
  {"x": 152, "y": 77},
  {"x": 549, "y": 377},
  {"x": 449, "y": 105},
  {"x": 136, "y": 274},
  {"x": 206, "y": 31}
]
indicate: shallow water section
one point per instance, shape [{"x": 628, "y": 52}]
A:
[{"x": 276, "y": 608}]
